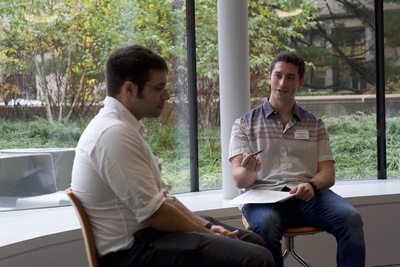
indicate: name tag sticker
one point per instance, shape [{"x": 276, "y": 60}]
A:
[{"x": 301, "y": 134}]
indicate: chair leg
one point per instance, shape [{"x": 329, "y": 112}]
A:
[{"x": 289, "y": 248}]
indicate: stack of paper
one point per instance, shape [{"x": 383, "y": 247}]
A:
[{"x": 261, "y": 196}]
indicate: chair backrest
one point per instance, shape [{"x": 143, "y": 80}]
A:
[{"x": 90, "y": 246}]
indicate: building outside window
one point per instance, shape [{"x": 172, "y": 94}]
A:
[{"x": 342, "y": 48}]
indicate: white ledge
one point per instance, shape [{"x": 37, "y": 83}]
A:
[
  {"x": 355, "y": 191},
  {"x": 27, "y": 230}
]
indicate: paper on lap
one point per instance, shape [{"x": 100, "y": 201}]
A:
[{"x": 261, "y": 196}]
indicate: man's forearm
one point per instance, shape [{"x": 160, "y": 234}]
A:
[
  {"x": 243, "y": 178},
  {"x": 325, "y": 178},
  {"x": 170, "y": 218},
  {"x": 179, "y": 205}
]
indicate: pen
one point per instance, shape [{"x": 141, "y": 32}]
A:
[
  {"x": 258, "y": 152},
  {"x": 255, "y": 154}
]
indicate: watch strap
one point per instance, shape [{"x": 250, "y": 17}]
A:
[
  {"x": 314, "y": 186},
  {"x": 208, "y": 225}
]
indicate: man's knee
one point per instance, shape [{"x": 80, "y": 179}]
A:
[{"x": 261, "y": 257}]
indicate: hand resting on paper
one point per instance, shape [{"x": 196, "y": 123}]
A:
[{"x": 303, "y": 191}]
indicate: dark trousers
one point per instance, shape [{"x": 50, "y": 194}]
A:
[{"x": 152, "y": 248}]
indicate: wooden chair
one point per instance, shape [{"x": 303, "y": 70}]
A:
[
  {"x": 90, "y": 246},
  {"x": 289, "y": 236}
]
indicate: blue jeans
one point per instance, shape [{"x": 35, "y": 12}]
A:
[{"x": 327, "y": 211}]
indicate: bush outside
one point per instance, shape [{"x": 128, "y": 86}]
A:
[{"x": 353, "y": 139}]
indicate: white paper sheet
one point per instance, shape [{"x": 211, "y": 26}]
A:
[{"x": 261, "y": 196}]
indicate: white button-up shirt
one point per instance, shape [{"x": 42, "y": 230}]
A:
[{"x": 116, "y": 177}]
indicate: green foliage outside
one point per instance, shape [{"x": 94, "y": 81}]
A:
[
  {"x": 55, "y": 51},
  {"x": 354, "y": 144},
  {"x": 353, "y": 139},
  {"x": 172, "y": 145},
  {"x": 38, "y": 134}
]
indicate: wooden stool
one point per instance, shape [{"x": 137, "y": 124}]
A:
[{"x": 289, "y": 236}]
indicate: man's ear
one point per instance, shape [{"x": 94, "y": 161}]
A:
[
  {"x": 301, "y": 83},
  {"x": 130, "y": 89}
]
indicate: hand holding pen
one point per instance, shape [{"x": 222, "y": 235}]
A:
[
  {"x": 255, "y": 154},
  {"x": 251, "y": 163}
]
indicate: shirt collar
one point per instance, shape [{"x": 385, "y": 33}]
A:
[
  {"x": 268, "y": 109},
  {"x": 114, "y": 104},
  {"x": 297, "y": 110}
]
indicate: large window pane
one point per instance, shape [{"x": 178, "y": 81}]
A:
[
  {"x": 392, "y": 72},
  {"x": 340, "y": 85},
  {"x": 52, "y": 57},
  {"x": 265, "y": 40},
  {"x": 209, "y": 143}
]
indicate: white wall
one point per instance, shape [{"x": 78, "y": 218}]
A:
[{"x": 55, "y": 250}]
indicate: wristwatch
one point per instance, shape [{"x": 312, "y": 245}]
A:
[
  {"x": 314, "y": 186},
  {"x": 208, "y": 225}
]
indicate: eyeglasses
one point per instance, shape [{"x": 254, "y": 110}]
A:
[{"x": 159, "y": 87}]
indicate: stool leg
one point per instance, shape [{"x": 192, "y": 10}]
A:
[
  {"x": 289, "y": 241},
  {"x": 288, "y": 249}
]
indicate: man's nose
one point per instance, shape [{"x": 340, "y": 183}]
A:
[
  {"x": 282, "y": 81},
  {"x": 166, "y": 95}
]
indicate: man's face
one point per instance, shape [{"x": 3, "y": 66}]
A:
[
  {"x": 153, "y": 96},
  {"x": 285, "y": 81}
]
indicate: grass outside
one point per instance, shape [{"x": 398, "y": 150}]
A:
[{"x": 353, "y": 140}]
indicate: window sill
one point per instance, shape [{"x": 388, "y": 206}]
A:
[
  {"x": 29, "y": 230},
  {"x": 357, "y": 192}
]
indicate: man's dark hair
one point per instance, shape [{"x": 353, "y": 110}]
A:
[
  {"x": 290, "y": 57},
  {"x": 131, "y": 63}
]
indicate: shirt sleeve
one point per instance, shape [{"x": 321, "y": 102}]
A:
[
  {"x": 325, "y": 150},
  {"x": 239, "y": 142}
]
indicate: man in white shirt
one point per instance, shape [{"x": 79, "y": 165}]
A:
[{"x": 135, "y": 221}]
